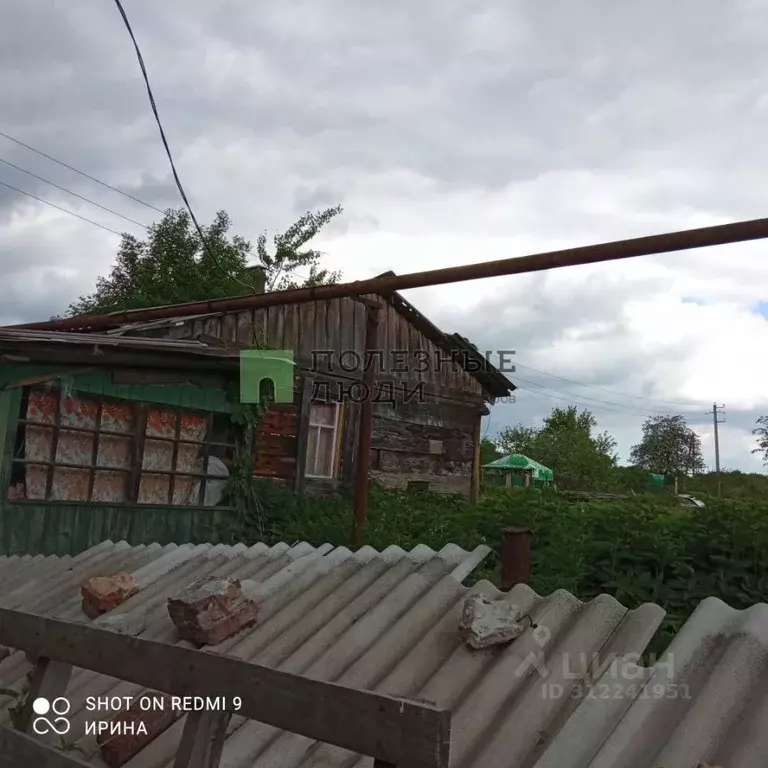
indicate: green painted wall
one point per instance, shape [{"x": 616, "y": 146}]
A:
[{"x": 69, "y": 528}]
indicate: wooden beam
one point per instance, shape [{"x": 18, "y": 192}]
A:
[
  {"x": 49, "y": 681},
  {"x": 17, "y": 750},
  {"x": 202, "y": 740},
  {"x": 474, "y": 494},
  {"x": 407, "y": 734}
]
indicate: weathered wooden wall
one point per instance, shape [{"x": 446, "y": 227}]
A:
[
  {"x": 433, "y": 443},
  {"x": 337, "y": 325},
  {"x": 402, "y": 431}
]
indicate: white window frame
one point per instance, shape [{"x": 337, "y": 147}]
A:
[{"x": 334, "y": 428}]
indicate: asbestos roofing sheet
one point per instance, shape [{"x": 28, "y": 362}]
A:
[{"x": 567, "y": 693}]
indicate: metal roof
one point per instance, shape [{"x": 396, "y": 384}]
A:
[{"x": 387, "y": 621}]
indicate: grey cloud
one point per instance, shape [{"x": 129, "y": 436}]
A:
[{"x": 273, "y": 109}]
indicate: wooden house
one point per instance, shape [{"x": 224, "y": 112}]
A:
[{"x": 103, "y": 432}]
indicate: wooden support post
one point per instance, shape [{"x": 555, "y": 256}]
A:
[
  {"x": 474, "y": 494},
  {"x": 406, "y": 734},
  {"x": 202, "y": 740},
  {"x": 303, "y": 434},
  {"x": 49, "y": 681},
  {"x": 366, "y": 426}
]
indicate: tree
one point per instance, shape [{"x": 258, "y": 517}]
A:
[
  {"x": 518, "y": 439},
  {"x": 668, "y": 447},
  {"x": 489, "y": 451},
  {"x": 172, "y": 265},
  {"x": 566, "y": 444},
  {"x": 280, "y": 267},
  {"x": 761, "y": 433}
]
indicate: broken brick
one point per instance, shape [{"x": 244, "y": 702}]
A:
[
  {"x": 211, "y": 610},
  {"x": 132, "y": 729},
  {"x": 103, "y": 593}
]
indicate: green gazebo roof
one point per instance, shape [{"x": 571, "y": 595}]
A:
[{"x": 518, "y": 461}]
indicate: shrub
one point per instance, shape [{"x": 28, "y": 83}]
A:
[{"x": 646, "y": 549}]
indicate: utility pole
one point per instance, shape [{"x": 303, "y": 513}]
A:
[{"x": 716, "y": 421}]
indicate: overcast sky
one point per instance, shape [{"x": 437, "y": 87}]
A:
[{"x": 451, "y": 132}]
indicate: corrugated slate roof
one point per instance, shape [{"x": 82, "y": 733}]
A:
[
  {"x": 387, "y": 621},
  {"x": 16, "y": 337}
]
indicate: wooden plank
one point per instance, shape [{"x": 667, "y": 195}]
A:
[
  {"x": 49, "y": 681},
  {"x": 306, "y": 330},
  {"x": 349, "y": 446},
  {"x": 333, "y": 324},
  {"x": 319, "y": 329},
  {"x": 290, "y": 327},
  {"x": 275, "y": 327},
  {"x": 406, "y": 733},
  {"x": 17, "y": 750},
  {"x": 260, "y": 338},
  {"x": 66, "y": 515},
  {"x": 212, "y": 327},
  {"x": 303, "y": 434},
  {"x": 229, "y": 327},
  {"x": 202, "y": 740},
  {"x": 245, "y": 327},
  {"x": 474, "y": 494},
  {"x": 347, "y": 324},
  {"x": 359, "y": 329},
  {"x": 36, "y": 530}
]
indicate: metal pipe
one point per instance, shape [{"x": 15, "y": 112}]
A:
[
  {"x": 366, "y": 427},
  {"x": 703, "y": 237},
  {"x": 516, "y": 556}
]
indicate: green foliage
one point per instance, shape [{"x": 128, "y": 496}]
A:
[
  {"x": 16, "y": 710},
  {"x": 566, "y": 443},
  {"x": 641, "y": 550},
  {"x": 242, "y": 489},
  {"x": 171, "y": 266},
  {"x": 290, "y": 254},
  {"x": 732, "y": 484},
  {"x": 489, "y": 451},
  {"x": 668, "y": 447},
  {"x": 761, "y": 433}
]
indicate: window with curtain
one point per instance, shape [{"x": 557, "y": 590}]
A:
[{"x": 322, "y": 440}]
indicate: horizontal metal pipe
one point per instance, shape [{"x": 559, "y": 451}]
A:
[{"x": 721, "y": 234}]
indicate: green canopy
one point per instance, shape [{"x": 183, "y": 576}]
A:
[{"x": 518, "y": 461}]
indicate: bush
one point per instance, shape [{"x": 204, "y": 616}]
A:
[{"x": 647, "y": 549}]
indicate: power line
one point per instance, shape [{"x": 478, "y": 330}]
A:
[
  {"x": 620, "y": 406},
  {"x": 168, "y": 150},
  {"x": 604, "y": 389},
  {"x": 82, "y": 173},
  {"x": 58, "y": 207},
  {"x": 74, "y": 194},
  {"x": 571, "y": 402}
]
